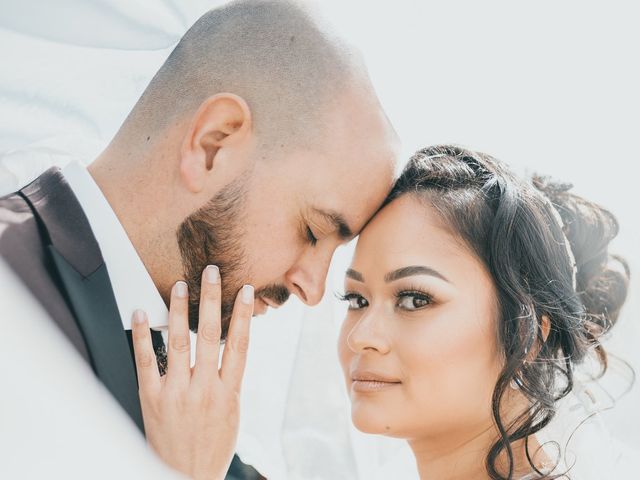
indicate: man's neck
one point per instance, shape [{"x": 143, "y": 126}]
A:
[{"x": 129, "y": 195}]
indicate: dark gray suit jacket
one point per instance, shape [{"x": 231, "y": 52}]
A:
[{"x": 46, "y": 239}]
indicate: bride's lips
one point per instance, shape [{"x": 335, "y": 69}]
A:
[{"x": 363, "y": 381}]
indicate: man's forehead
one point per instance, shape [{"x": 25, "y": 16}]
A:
[
  {"x": 364, "y": 198},
  {"x": 361, "y": 136},
  {"x": 349, "y": 221},
  {"x": 348, "y": 189}
]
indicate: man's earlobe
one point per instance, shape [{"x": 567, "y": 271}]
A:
[{"x": 221, "y": 121}]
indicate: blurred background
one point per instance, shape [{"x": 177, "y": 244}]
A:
[{"x": 549, "y": 87}]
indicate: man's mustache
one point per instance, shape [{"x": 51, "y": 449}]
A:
[{"x": 279, "y": 294}]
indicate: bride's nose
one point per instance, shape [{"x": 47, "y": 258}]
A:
[{"x": 369, "y": 335}]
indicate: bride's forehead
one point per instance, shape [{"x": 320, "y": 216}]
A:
[
  {"x": 407, "y": 234},
  {"x": 405, "y": 222}
]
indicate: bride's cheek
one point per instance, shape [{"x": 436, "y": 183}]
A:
[{"x": 344, "y": 353}]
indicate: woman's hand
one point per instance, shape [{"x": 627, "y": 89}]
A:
[{"x": 191, "y": 416}]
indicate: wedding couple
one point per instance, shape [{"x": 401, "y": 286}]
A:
[{"x": 257, "y": 149}]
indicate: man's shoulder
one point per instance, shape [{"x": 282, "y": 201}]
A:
[
  {"x": 21, "y": 245},
  {"x": 18, "y": 227},
  {"x": 14, "y": 207},
  {"x": 19, "y": 234},
  {"x": 13, "y": 210},
  {"x": 48, "y": 210},
  {"x": 23, "y": 234},
  {"x": 23, "y": 249}
]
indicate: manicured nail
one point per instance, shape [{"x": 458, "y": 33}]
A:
[
  {"x": 181, "y": 289},
  {"x": 212, "y": 274},
  {"x": 247, "y": 294},
  {"x": 138, "y": 317}
]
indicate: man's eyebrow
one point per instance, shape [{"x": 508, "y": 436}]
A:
[
  {"x": 351, "y": 273},
  {"x": 413, "y": 270},
  {"x": 337, "y": 220}
]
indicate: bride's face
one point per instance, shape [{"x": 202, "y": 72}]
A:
[{"x": 418, "y": 346}]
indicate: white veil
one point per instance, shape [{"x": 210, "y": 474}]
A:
[
  {"x": 578, "y": 440},
  {"x": 76, "y": 83}
]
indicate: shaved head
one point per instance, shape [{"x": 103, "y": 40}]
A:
[
  {"x": 259, "y": 146},
  {"x": 279, "y": 58}
]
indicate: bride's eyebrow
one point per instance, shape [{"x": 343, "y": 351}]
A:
[
  {"x": 413, "y": 270},
  {"x": 354, "y": 275},
  {"x": 400, "y": 273}
]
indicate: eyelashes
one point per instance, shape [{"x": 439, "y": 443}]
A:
[
  {"x": 343, "y": 297},
  {"x": 355, "y": 301},
  {"x": 413, "y": 300},
  {"x": 311, "y": 237},
  {"x": 408, "y": 299}
]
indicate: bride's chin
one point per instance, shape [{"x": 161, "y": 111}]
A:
[{"x": 373, "y": 425}]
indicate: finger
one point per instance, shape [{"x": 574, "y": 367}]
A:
[
  {"x": 209, "y": 327},
  {"x": 234, "y": 357},
  {"x": 179, "y": 349},
  {"x": 145, "y": 357}
]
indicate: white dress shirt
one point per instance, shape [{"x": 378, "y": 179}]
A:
[{"x": 131, "y": 283}]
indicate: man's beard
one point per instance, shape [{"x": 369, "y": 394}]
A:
[{"x": 211, "y": 236}]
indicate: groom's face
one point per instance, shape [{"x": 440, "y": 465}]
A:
[{"x": 278, "y": 225}]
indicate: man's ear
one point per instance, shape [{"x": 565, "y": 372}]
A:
[{"x": 223, "y": 120}]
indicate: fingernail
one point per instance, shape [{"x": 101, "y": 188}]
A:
[
  {"x": 247, "y": 294},
  {"x": 181, "y": 289},
  {"x": 212, "y": 274},
  {"x": 138, "y": 317}
]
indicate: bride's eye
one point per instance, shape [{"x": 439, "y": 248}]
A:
[
  {"x": 413, "y": 300},
  {"x": 355, "y": 301}
]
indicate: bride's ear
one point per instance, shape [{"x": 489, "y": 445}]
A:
[
  {"x": 545, "y": 327},
  {"x": 222, "y": 121}
]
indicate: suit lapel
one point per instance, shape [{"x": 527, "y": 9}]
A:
[
  {"x": 76, "y": 256},
  {"x": 97, "y": 315}
]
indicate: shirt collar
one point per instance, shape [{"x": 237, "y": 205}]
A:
[{"x": 132, "y": 285}]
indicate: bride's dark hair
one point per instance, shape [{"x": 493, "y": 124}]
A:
[{"x": 512, "y": 225}]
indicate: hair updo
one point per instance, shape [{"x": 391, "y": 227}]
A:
[{"x": 513, "y": 227}]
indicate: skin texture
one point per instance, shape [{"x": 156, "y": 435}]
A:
[
  {"x": 255, "y": 98},
  {"x": 180, "y": 171},
  {"x": 439, "y": 344},
  {"x": 153, "y": 185},
  {"x": 155, "y": 180},
  {"x": 191, "y": 415}
]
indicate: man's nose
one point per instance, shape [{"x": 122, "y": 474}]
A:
[{"x": 307, "y": 278}]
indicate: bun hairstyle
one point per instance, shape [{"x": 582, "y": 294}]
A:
[
  {"x": 602, "y": 279},
  {"x": 546, "y": 249}
]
